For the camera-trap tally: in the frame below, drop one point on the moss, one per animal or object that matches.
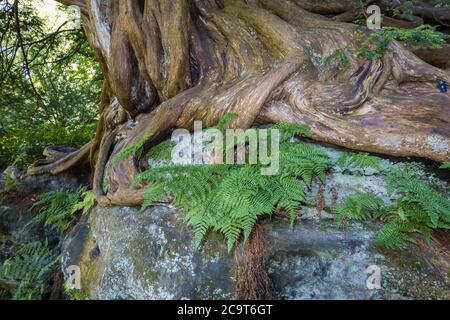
(76, 294)
(212, 245)
(139, 265)
(90, 275)
(89, 267)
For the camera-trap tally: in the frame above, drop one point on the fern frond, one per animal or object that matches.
(152, 194)
(225, 120)
(358, 206)
(230, 199)
(136, 149)
(290, 130)
(162, 151)
(358, 161)
(86, 204)
(28, 272)
(419, 210)
(57, 208)
(393, 235)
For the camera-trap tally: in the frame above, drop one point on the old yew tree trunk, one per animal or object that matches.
(170, 63)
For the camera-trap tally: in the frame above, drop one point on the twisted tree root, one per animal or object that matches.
(252, 280)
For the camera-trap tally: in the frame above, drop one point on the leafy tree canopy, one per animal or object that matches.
(49, 81)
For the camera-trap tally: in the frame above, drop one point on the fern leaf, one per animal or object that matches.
(445, 165)
(136, 149)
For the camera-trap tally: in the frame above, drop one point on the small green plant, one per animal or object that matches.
(415, 191)
(26, 275)
(229, 199)
(358, 206)
(339, 57)
(7, 184)
(404, 10)
(57, 208)
(225, 120)
(445, 165)
(20, 148)
(378, 42)
(86, 203)
(136, 149)
(162, 151)
(418, 209)
(289, 130)
(348, 160)
(75, 295)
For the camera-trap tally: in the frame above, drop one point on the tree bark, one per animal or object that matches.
(170, 63)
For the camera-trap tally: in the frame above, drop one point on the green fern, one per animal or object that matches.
(358, 206)
(349, 160)
(290, 130)
(394, 234)
(418, 210)
(445, 165)
(230, 199)
(26, 275)
(57, 208)
(377, 44)
(136, 149)
(75, 295)
(339, 57)
(415, 191)
(86, 203)
(226, 120)
(162, 151)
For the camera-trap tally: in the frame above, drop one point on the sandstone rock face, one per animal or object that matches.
(126, 254)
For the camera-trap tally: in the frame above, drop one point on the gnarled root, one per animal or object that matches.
(58, 162)
(252, 281)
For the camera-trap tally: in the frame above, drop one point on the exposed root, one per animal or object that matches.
(57, 287)
(64, 163)
(105, 148)
(334, 199)
(320, 199)
(252, 281)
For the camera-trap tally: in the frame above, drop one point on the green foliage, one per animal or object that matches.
(403, 219)
(75, 295)
(404, 10)
(445, 165)
(339, 57)
(86, 203)
(21, 147)
(50, 84)
(378, 42)
(348, 160)
(162, 151)
(416, 192)
(8, 184)
(418, 209)
(289, 130)
(57, 208)
(358, 206)
(229, 199)
(135, 149)
(225, 120)
(27, 274)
